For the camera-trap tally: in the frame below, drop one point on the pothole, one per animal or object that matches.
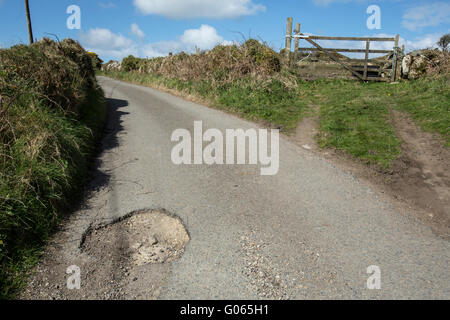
(140, 238)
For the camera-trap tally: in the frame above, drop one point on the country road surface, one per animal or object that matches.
(309, 232)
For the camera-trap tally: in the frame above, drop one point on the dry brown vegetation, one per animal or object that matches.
(61, 72)
(438, 62)
(224, 64)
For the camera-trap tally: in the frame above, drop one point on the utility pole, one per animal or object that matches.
(30, 29)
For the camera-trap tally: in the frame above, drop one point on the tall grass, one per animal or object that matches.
(51, 114)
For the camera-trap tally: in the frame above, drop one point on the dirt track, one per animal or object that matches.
(418, 181)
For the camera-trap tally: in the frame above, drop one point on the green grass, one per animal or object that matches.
(354, 117)
(51, 115)
(42, 173)
(270, 101)
(427, 101)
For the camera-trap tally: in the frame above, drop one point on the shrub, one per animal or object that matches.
(223, 64)
(263, 55)
(130, 63)
(60, 73)
(96, 61)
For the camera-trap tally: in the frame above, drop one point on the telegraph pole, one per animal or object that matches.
(30, 29)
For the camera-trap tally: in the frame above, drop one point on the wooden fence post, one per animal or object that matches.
(296, 41)
(395, 62)
(288, 38)
(366, 62)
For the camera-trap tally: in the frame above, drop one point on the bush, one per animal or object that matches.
(263, 55)
(60, 73)
(96, 61)
(223, 64)
(130, 63)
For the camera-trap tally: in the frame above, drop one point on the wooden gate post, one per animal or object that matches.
(296, 41)
(288, 38)
(366, 59)
(395, 62)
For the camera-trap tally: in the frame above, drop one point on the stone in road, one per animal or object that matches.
(311, 231)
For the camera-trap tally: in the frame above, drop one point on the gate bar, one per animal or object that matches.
(334, 59)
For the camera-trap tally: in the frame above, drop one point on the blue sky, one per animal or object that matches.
(147, 28)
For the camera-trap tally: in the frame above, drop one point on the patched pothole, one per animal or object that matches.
(140, 238)
(163, 242)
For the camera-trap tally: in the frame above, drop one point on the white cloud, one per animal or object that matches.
(137, 32)
(106, 43)
(186, 9)
(427, 41)
(109, 44)
(205, 38)
(428, 15)
(324, 3)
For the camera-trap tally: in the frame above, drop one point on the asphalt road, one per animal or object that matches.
(309, 232)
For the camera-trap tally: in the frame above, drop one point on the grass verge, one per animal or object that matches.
(51, 116)
(428, 103)
(270, 101)
(355, 117)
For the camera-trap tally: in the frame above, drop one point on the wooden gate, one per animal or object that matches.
(361, 72)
